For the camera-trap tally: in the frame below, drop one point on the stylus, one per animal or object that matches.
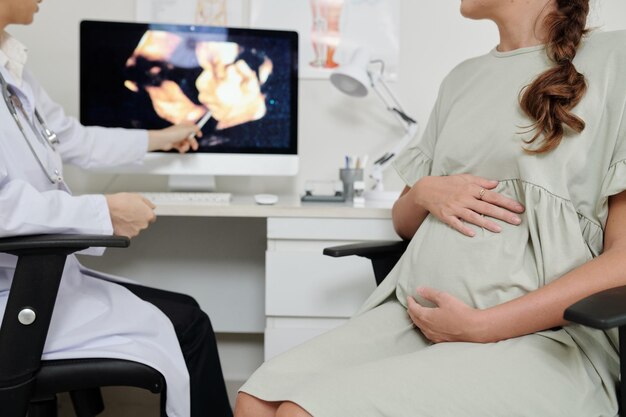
(200, 124)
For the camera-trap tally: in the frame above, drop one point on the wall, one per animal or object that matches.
(331, 124)
(434, 37)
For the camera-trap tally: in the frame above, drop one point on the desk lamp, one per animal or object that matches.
(355, 79)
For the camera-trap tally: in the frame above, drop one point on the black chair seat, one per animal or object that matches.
(58, 376)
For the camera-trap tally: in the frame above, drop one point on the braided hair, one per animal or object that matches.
(550, 98)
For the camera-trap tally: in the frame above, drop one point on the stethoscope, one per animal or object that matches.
(45, 134)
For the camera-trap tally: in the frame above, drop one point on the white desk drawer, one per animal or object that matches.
(330, 229)
(302, 284)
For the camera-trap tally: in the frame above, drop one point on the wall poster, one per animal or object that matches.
(200, 12)
(331, 30)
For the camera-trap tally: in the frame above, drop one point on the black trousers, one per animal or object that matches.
(197, 341)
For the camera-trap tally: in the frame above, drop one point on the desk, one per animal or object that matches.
(258, 269)
(287, 206)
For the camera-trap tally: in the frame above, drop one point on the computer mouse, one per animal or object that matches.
(265, 199)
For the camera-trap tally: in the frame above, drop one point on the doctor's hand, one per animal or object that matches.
(455, 199)
(450, 321)
(181, 137)
(130, 213)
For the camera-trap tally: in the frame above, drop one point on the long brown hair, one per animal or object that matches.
(549, 99)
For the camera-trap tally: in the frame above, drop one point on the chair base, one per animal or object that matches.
(46, 407)
(87, 402)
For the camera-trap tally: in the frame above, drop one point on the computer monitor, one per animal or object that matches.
(243, 81)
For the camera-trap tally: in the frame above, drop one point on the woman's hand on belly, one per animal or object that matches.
(455, 199)
(451, 320)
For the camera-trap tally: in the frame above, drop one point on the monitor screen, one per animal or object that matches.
(242, 82)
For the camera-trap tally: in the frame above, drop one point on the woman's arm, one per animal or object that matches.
(454, 199)
(406, 215)
(539, 310)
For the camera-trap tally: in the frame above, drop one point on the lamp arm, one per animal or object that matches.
(382, 163)
(410, 126)
(390, 101)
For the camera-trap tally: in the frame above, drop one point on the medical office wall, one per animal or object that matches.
(433, 37)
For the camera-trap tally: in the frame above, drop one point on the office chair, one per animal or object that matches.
(604, 310)
(28, 384)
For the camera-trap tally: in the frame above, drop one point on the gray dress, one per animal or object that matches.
(379, 364)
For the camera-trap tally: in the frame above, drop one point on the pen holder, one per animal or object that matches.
(348, 176)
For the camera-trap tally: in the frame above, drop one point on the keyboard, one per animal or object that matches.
(200, 198)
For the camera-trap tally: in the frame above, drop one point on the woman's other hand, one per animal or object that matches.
(450, 321)
(181, 137)
(456, 199)
(130, 213)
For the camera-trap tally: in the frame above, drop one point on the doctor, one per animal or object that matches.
(96, 315)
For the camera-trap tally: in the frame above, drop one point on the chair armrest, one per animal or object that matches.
(383, 254)
(29, 307)
(368, 249)
(603, 310)
(59, 243)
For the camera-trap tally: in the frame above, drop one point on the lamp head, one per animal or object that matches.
(353, 78)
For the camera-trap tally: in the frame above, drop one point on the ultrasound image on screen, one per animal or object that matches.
(153, 76)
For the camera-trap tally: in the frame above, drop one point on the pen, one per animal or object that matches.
(385, 158)
(200, 123)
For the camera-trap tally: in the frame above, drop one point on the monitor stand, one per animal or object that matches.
(191, 183)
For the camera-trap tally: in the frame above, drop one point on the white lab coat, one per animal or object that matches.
(93, 317)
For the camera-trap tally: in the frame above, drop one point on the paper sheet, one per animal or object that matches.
(330, 30)
(200, 12)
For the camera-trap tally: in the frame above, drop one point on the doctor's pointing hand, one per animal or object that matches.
(131, 213)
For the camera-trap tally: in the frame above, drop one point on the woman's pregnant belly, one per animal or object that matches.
(484, 270)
